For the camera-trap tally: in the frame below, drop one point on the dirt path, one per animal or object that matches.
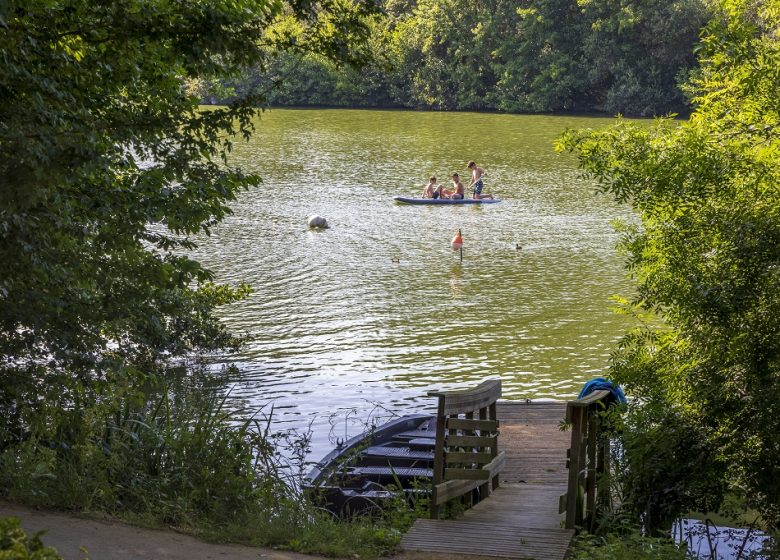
(79, 539)
(111, 540)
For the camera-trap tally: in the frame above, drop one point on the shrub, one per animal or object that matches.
(631, 546)
(15, 544)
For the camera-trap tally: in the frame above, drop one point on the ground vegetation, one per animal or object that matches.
(108, 172)
(704, 366)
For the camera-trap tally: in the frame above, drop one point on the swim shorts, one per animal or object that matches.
(478, 187)
(457, 196)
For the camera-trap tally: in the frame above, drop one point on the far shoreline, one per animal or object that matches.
(573, 114)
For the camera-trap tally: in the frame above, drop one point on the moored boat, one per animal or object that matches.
(376, 465)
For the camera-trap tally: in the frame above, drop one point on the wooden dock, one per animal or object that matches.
(520, 519)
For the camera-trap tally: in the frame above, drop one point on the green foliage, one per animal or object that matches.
(538, 56)
(15, 544)
(108, 168)
(665, 468)
(707, 257)
(177, 456)
(630, 546)
(157, 460)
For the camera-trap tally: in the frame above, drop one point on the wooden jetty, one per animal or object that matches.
(521, 517)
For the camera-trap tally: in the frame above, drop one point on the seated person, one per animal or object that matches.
(457, 193)
(432, 190)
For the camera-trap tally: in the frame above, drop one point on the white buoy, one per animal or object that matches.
(319, 222)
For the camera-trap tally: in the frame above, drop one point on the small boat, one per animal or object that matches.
(374, 466)
(444, 201)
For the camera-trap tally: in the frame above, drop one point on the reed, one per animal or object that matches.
(184, 458)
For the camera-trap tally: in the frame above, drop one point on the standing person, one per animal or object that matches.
(457, 193)
(476, 184)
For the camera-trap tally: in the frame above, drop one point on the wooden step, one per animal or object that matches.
(486, 539)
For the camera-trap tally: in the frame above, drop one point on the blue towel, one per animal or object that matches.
(600, 383)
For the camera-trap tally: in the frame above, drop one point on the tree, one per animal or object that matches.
(640, 51)
(108, 167)
(707, 255)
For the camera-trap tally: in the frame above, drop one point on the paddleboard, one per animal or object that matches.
(444, 201)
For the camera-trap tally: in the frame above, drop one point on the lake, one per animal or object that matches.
(362, 319)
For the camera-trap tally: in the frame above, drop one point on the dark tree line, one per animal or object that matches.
(531, 56)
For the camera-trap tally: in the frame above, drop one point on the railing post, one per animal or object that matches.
(575, 417)
(438, 457)
(493, 415)
(602, 471)
(590, 473)
(587, 460)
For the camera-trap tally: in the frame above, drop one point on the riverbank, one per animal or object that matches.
(80, 538)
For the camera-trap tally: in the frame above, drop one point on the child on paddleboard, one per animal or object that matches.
(456, 194)
(476, 184)
(432, 190)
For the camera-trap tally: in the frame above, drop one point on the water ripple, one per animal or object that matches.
(378, 308)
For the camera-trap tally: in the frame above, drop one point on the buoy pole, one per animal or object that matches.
(457, 243)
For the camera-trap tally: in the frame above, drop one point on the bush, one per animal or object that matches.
(16, 545)
(179, 457)
(665, 467)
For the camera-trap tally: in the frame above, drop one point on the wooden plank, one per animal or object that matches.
(487, 539)
(590, 476)
(471, 399)
(497, 464)
(466, 474)
(593, 397)
(575, 416)
(517, 520)
(453, 457)
(468, 424)
(446, 491)
(438, 459)
(471, 441)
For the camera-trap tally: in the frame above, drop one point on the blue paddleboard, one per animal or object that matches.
(444, 201)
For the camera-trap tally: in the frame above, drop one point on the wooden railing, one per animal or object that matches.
(466, 455)
(588, 460)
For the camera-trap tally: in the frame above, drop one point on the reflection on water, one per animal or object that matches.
(379, 308)
(712, 542)
(456, 286)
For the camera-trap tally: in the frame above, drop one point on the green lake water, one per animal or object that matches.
(363, 318)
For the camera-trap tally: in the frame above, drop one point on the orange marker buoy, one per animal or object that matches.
(457, 241)
(457, 244)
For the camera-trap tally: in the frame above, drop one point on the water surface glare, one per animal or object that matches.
(378, 309)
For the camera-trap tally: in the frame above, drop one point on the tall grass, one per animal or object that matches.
(183, 458)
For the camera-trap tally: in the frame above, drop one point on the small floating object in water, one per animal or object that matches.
(395, 259)
(457, 241)
(318, 222)
(518, 247)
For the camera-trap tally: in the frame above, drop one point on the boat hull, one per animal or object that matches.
(376, 466)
